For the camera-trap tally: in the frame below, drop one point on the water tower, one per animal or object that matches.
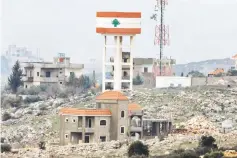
(118, 30)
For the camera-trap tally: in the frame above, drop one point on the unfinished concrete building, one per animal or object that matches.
(113, 118)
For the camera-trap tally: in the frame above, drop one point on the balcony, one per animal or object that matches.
(48, 79)
(125, 77)
(89, 130)
(28, 79)
(135, 129)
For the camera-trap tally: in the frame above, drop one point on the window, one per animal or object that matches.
(122, 130)
(38, 73)
(103, 122)
(73, 120)
(145, 69)
(122, 113)
(47, 74)
(26, 86)
(103, 138)
(66, 119)
(30, 73)
(60, 72)
(72, 73)
(60, 68)
(61, 83)
(66, 136)
(98, 105)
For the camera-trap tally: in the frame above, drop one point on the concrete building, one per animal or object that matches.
(235, 58)
(117, 72)
(56, 72)
(152, 65)
(217, 71)
(113, 118)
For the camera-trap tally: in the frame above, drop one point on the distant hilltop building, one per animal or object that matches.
(56, 72)
(235, 58)
(152, 65)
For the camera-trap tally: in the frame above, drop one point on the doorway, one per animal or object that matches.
(87, 139)
(89, 123)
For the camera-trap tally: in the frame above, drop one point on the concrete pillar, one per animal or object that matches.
(83, 128)
(117, 65)
(131, 61)
(103, 64)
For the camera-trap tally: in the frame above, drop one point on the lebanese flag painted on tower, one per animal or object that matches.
(126, 23)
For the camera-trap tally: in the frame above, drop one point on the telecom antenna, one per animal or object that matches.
(161, 30)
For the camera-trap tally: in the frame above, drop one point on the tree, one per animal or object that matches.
(137, 80)
(15, 79)
(232, 73)
(138, 148)
(72, 79)
(195, 74)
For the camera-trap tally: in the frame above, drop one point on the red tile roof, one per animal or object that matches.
(111, 95)
(134, 106)
(217, 71)
(85, 112)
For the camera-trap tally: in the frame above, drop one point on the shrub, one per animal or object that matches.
(6, 116)
(9, 101)
(215, 154)
(202, 150)
(189, 154)
(42, 107)
(5, 147)
(138, 148)
(34, 90)
(32, 99)
(43, 88)
(63, 94)
(22, 91)
(42, 145)
(207, 141)
(137, 80)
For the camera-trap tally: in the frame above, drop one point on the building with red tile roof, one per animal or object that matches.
(114, 118)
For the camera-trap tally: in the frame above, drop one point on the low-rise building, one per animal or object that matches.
(56, 72)
(113, 118)
(217, 71)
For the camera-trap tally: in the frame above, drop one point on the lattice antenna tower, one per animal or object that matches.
(161, 31)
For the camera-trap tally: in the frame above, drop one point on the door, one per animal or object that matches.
(87, 139)
(89, 123)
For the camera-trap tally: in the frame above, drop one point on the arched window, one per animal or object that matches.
(103, 122)
(122, 113)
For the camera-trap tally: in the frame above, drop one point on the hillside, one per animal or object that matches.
(200, 110)
(204, 66)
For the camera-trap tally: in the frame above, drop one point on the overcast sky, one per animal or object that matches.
(199, 29)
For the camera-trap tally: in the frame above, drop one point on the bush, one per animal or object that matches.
(137, 80)
(189, 154)
(22, 91)
(5, 147)
(63, 94)
(207, 141)
(9, 101)
(34, 90)
(138, 148)
(43, 88)
(2, 140)
(202, 150)
(216, 154)
(42, 145)
(32, 99)
(6, 116)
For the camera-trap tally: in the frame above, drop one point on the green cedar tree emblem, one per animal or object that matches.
(115, 22)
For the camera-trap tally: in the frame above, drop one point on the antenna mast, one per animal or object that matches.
(161, 31)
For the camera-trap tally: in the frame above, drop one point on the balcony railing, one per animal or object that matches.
(135, 129)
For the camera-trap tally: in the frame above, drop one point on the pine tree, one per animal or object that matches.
(15, 79)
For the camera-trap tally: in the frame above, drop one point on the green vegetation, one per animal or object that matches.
(196, 74)
(137, 80)
(137, 148)
(215, 154)
(15, 79)
(5, 147)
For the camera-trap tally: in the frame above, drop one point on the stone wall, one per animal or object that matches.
(149, 81)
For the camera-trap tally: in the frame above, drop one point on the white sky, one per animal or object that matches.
(199, 29)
